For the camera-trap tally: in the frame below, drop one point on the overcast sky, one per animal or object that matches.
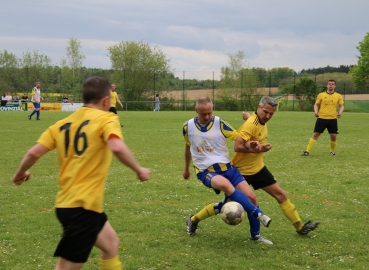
(196, 35)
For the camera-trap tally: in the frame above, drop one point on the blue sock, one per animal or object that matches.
(38, 114)
(254, 225)
(34, 111)
(241, 198)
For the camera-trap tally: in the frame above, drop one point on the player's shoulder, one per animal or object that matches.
(225, 125)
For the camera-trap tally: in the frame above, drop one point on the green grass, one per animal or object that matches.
(150, 217)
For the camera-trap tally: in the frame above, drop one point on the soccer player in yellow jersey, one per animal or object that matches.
(84, 142)
(206, 145)
(250, 146)
(325, 109)
(113, 100)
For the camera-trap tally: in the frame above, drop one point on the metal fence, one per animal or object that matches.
(177, 89)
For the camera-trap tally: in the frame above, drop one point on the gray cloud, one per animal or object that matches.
(196, 35)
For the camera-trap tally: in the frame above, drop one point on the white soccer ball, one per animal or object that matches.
(232, 213)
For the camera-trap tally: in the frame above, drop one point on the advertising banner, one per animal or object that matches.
(70, 107)
(14, 106)
(46, 106)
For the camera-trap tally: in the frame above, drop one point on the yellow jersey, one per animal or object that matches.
(83, 156)
(113, 98)
(328, 104)
(251, 130)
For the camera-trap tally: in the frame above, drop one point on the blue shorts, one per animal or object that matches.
(37, 105)
(232, 174)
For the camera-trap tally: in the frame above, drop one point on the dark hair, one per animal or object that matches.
(94, 89)
(331, 80)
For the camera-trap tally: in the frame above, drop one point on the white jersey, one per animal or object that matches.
(36, 94)
(207, 147)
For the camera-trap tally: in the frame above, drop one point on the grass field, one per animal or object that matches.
(150, 217)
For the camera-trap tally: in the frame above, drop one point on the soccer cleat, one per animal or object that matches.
(264, 219)
(305, 153)
(308, 226)
(191, 227)
(38, 119)
(333, 153)
(262, 240)
(29, 117)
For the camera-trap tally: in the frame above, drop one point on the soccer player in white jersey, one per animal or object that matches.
(206, 144)
(36, 99)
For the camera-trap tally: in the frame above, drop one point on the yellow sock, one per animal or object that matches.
(333, 146)
(310, 145)
(289, 210)
(204, 213)
(111, 264)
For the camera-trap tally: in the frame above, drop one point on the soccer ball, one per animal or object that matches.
(232, 213)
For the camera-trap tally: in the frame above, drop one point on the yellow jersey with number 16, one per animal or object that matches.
(83, 156)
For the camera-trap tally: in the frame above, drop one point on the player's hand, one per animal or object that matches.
(253, 145)
(339, 115)
(265, 147)
(19, 179)
(316, 114)
(245, 115)
(144, 174)
(186, 174)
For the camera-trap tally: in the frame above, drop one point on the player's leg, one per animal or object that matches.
(221, 183)
(108, 242)
(319, 127)
(244, 187)
(208, 211)
(289, 209)
(34, 110)
(64, 264)
(333, 131)
(38, 113)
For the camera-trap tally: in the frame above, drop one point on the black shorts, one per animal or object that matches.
(80, 230)
(113, 110)
(261, 179)
(330, 124)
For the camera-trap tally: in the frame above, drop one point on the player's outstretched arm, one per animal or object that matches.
(124, 154)
(22, 175)
(186, 172)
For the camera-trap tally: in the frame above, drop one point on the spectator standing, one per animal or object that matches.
(4, 100)
(157, 103)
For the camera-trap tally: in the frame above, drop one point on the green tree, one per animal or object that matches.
(74, 56)
(34, 66)
(71, 67)
(305, 93)
(9, 72)
(136, 65)
(360, 72)
(238, 82)
(278, 74)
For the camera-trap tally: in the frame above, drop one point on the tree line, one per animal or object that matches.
(140, 70)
